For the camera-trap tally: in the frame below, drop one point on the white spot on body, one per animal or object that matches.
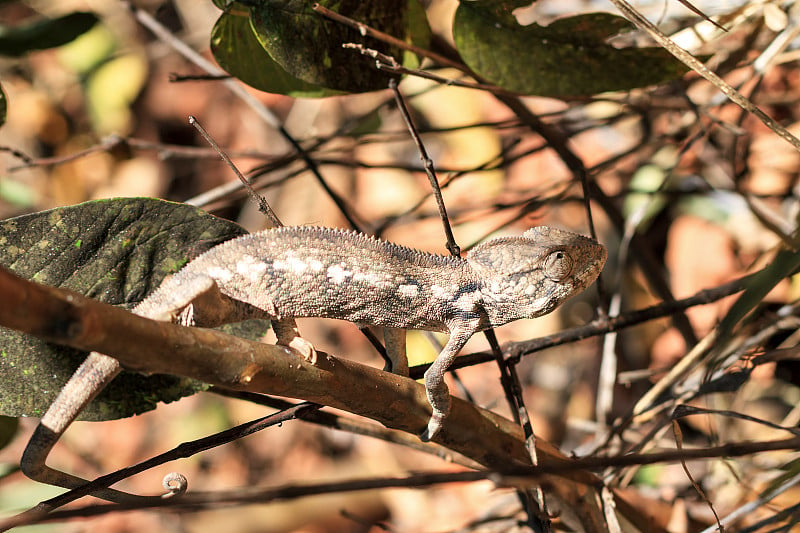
(443, 293)
(539, 303)
(293, 264)
(409, 291)
(530, 290)
(220, 274)
(296, 265)
(371, 278)
(251, 268)
(468, 301)
(337, 274)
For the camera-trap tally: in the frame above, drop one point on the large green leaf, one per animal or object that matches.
(116, 251)
(570, 57)
(44, 33)
(299, 51)
(238, 51)
(309, 46)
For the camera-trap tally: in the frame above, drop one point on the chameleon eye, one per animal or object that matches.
(558, 265)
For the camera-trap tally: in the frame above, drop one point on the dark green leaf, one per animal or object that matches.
(8, 430)
(309, 46)
(45, 33)
(237, 50)
(287, 48)
(418, 32)
(786, 263)
(570, 57)
(116, 251)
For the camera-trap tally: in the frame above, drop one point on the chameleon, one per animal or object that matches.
(292, 272)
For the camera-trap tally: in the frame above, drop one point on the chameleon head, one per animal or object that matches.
(530, 275)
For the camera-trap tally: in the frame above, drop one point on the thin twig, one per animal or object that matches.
(263, 205)
(389, 64)
(514, 476)
(512, 388)
(181, 451)
(651, 267)
(427, 164)
(19, 154)
(105, 145)
(508, 376)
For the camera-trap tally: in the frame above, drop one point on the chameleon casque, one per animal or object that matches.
(292, 272)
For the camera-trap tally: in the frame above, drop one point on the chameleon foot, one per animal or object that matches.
(438, 395)
(288, 335)
(305, 349)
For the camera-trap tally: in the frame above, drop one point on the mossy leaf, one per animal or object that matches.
(116, 251)
(570, 57)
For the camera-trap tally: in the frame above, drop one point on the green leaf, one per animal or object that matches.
(91, 50)
(237, 50)
(570, 57)
(18, 193)
(285, 47)
(8, 430)
(309, 46)
(116, 251)
(44, 33)
(418, 33)
(786, 263)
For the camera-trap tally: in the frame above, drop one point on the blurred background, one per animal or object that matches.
(708, 191)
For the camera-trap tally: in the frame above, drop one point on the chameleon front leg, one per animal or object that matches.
(435, 387)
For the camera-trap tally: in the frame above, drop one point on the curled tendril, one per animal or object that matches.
(175, 483)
